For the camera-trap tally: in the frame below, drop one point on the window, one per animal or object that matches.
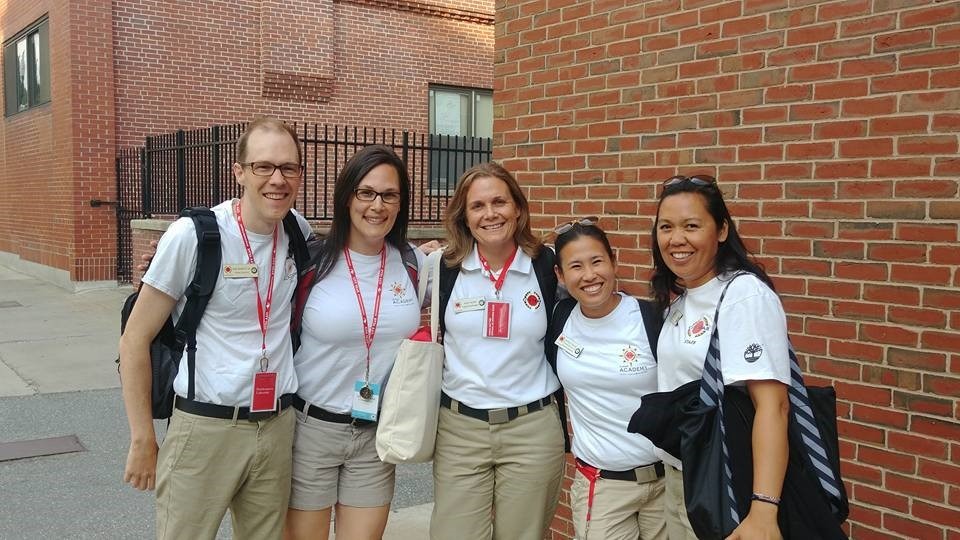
(26, 68)
(461, 124)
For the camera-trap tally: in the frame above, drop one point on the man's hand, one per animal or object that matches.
(141, 469)
(429, 247)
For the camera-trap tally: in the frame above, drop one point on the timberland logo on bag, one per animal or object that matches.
(753, 353)
(400, 294)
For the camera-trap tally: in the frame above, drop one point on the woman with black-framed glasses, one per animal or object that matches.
(697, 251)
(359, 305)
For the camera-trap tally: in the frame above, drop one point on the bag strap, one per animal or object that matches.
(561, 312)
(409, 258)
(432, 269)
(652, 323)
(711, 393)
(201, 287)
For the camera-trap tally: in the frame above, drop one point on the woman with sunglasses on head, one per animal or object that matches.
(500, 447)
(362, 302)
(698, 251)
(606, 365)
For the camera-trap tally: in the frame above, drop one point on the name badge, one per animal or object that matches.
(366, 400)
(240, 270)
(497, 322)
(569, 345)
(264, 398)
(469, 304)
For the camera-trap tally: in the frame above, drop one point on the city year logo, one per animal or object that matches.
(532, 300)
(699, 327)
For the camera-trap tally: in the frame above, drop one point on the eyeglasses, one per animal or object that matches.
(265, 168)
(589, 221)
(697, 179)
(369, 195)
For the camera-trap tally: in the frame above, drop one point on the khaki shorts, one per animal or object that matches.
(337, 463)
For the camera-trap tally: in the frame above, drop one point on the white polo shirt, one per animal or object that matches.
(753, 335)
(229, 337)
(489, 373)
(605, 383)
(332, 354)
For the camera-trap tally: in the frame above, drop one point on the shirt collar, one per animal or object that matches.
(521, 263)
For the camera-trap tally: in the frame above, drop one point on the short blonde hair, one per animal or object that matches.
(459, 238)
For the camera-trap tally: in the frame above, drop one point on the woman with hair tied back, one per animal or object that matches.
(500, 447)
(605, 361)
(361, 304)
(697, 252)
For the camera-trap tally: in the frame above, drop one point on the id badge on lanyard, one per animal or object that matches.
(263, 397)
(496, 319)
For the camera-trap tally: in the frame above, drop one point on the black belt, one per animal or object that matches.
(321, 414)
(640, 475)
(226, 412)
(494, 416)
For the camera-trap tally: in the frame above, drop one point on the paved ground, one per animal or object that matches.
(57, 377)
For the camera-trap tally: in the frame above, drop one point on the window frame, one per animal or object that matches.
(35, 40)
(438, 183)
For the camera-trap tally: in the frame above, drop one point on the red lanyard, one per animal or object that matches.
(497, 282)
(371, 330)
(263, 310)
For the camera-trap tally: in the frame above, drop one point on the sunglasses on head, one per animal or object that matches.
(697, 179)
(588, 221)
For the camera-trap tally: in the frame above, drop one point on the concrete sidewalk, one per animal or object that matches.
(55, 341)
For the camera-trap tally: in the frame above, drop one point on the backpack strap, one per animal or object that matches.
(409, 258)
(652, 322)
(298, 244)
(448, 276)
(559, 318)
(201, 287)
(300, 248)
(547, 279)
(561, 312)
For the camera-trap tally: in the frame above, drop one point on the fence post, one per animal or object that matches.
(145, 187)
(215, 162)
(181, 171)
(406, 140)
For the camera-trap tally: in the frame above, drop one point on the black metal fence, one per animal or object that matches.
(193, 168)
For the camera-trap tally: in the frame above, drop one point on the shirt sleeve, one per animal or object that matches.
(172, 267)
(753, 334)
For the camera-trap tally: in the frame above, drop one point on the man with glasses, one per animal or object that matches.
(228, 444)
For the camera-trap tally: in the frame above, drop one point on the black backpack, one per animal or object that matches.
(167, 347)
(652, 322)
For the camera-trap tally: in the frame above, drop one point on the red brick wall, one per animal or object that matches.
(126, 69)
(361, 62)
(833, 129)
(59, 155)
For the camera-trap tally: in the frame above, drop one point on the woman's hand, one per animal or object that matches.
(760, 524)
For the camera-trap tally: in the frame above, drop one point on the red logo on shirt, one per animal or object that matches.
(699, 327)
(532, 300)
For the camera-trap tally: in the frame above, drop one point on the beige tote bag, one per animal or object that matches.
(407, 429)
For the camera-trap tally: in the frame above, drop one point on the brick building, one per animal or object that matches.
(109, 73)
(833, 128)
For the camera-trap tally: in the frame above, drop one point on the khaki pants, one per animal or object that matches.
(207, 465)
(621, 509)
(499, 481)
(678, 526)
